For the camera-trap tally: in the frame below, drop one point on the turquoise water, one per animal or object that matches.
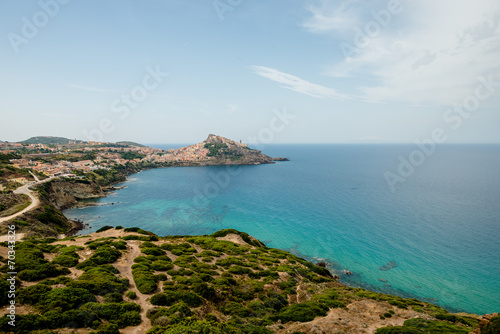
(332, 202)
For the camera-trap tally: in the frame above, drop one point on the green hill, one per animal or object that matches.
(47, 140)
(130, 143)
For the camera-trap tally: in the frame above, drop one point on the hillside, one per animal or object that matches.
(226, 151)
(130, 143)
(132, 281)
(47, 140)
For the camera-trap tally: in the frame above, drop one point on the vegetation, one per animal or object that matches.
(222, 150)
(208, 286)
(131, 155)
(421, 326)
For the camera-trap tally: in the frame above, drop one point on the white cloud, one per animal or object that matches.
(430, 52)
(297, 84)
(326, 18)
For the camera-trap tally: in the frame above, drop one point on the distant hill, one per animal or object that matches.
(131, 143)
(46, 140)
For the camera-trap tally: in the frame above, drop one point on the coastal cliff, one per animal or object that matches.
(65, 193)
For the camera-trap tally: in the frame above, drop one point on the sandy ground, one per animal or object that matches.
(124, 265)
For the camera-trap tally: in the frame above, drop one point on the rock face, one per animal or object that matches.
(63, 194)
(488, 324)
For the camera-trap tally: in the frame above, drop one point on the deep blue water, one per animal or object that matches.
(441, 226)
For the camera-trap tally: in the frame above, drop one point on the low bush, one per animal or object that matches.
(66, 260)
(161, 265)
(421, 326)
(330, 298)
(103, 255)
(131, 295)
(302, 312)
(104, 228)
(121, 314)
(100, 280)
(144, 279)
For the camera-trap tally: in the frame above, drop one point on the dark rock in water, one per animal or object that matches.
(321, 264)
(388, 266)
(346, 272)
(280, 159)
(382, 280)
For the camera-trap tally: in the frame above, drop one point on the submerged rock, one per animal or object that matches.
(388, 266)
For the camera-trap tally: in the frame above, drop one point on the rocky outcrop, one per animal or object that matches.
(223, 151)
(63, 194)
(488, 324)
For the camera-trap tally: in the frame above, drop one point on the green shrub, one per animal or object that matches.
(161, 265)
(330, 298)
(33, 294)
(100, 280)
(302, 312)
(236, 309)
(421, 326)
(240, 270)
(66, 260)
(107, 329)
(104, 228)
(167, 298)
(161, 277)
(66, 298)
(121, 314)
(204, 290)
(43, 271)
(113, 297)
(103, 255)
(144, 279)
(131, 295)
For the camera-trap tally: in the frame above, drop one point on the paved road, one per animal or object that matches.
(33, 196)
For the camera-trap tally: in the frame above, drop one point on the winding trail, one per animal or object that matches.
(32, 195)
(124, 266)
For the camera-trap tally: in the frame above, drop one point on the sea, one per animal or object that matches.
(433, 235)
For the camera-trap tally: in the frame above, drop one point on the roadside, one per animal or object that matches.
(34, 202)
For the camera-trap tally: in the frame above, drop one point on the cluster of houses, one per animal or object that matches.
(105, 157)
(188, 153)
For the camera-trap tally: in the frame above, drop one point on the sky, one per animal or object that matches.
(260, 71)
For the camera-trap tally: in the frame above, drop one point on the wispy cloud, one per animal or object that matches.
(92, 89)
(297, 84)
(430, 52)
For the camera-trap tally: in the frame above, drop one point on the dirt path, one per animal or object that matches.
(124, 266)
(34, 203)
(32, 195)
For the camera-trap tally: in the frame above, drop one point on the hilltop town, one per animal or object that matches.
(75, 158)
